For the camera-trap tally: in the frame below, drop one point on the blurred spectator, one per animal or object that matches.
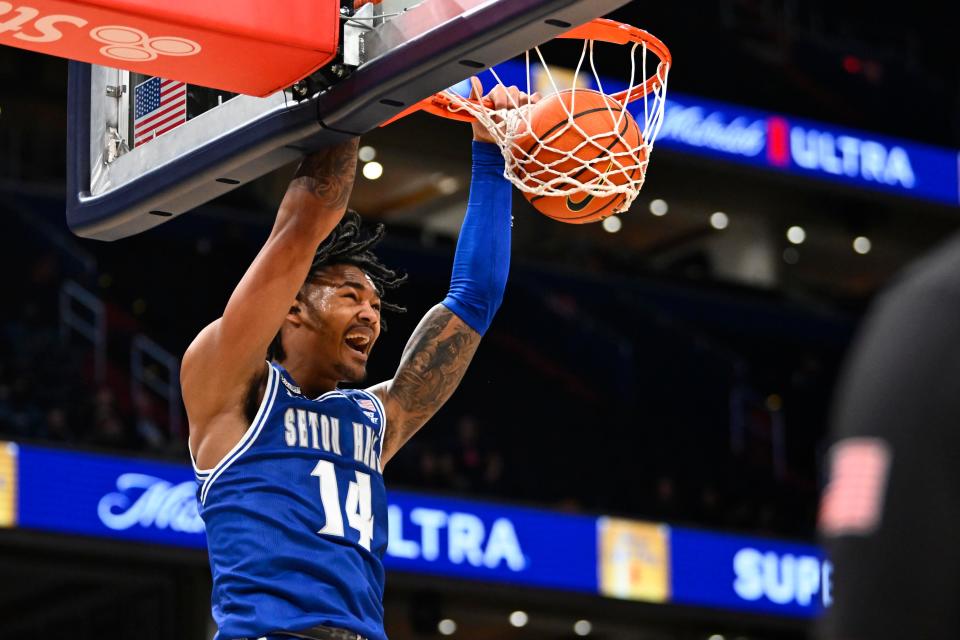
(429, 472)
(58, 426)
(147, 422)
(665, 499)
(108, 429)
(475, 466)
(711, 508)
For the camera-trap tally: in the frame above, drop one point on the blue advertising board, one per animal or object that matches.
(810, 149)
(786, 143)
(486, 541)
(146, 501)
(108, 496)
(743, 573)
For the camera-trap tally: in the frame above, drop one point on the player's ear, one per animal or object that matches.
(293, 315)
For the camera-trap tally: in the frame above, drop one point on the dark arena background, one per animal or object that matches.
(637, 451)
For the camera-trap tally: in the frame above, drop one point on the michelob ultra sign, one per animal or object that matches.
(813, 149)
(152, 502)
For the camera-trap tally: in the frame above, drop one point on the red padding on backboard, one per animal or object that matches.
(244, 46)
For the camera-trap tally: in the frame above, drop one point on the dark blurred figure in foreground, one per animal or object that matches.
(891, 507)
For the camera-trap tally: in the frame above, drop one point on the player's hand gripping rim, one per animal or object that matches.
(501, 98)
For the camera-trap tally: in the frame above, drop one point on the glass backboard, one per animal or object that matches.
(133, 165)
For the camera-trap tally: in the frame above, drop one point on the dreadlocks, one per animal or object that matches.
(349, 244)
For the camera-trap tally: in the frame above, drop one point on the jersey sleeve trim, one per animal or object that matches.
(198, 473)
(273, 382)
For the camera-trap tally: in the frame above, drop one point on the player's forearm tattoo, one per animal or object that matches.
(329, 173)
(433, 364)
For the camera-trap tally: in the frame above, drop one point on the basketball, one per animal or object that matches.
(615, 156)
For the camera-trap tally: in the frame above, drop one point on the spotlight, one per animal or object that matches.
(612, 224)
(447, 627)
(519, 618)
(719, 220)
(448, 185)
(659, 207)
(862, 245)
(372, 170)
(366, 154)
(582, 627)
(796, 234)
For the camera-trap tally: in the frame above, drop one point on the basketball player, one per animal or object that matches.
(891, 508)
(289, 465)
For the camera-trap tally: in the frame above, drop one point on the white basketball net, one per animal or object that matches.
(533, 176)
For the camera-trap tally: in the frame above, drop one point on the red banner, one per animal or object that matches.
(243, 46)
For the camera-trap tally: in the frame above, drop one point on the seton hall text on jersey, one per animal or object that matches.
(311, 430)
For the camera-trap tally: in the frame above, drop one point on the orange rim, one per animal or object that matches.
(599, 30)
(613, 32)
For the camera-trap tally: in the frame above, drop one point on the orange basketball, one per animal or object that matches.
(539, 157)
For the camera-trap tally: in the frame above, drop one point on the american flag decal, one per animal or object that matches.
(159, 106)
(366, 404)
(853, 499)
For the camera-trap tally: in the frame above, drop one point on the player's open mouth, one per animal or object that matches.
(357, 341)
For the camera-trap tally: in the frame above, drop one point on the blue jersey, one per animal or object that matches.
(296, 516)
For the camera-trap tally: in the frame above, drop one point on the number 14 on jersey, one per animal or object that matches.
(356, 507)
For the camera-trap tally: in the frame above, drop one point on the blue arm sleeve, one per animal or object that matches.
(482, 260)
